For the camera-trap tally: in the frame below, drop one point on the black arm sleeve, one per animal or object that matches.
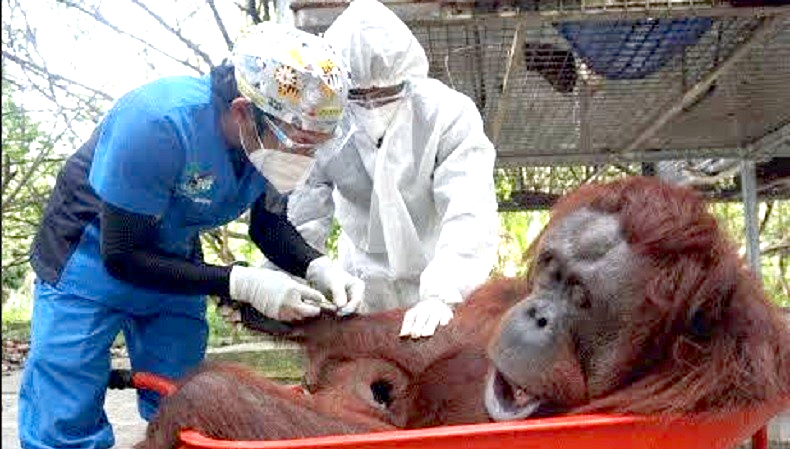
(279, 240)
(129, 255)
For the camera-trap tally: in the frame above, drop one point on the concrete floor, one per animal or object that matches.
(121, 407)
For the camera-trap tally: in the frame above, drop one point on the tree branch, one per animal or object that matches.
(781, 248)
(252, 11)
(782, 280)
(238, 235)
(97, 16)
(41, 71)
(220, 24)
(8, 174)
(191, 45)
(220, 246)
(15, 262)
(768, 208)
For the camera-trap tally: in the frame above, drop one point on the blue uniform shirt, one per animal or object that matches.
(160, 152)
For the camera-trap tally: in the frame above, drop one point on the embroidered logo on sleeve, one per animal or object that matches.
(198, 184)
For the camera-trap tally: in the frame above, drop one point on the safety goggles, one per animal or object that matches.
(290, 137)
(303, 142)
(374, 97)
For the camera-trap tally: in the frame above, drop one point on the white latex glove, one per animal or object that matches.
(274, 293)
(424, 317)
(347, 291)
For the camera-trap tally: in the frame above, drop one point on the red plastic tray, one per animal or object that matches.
(721, 431)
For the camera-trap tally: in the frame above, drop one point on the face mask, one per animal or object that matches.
(283, 170)
(375, 121)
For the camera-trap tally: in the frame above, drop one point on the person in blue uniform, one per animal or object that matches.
(118, 247)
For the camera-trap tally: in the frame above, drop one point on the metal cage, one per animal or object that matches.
(594, 81)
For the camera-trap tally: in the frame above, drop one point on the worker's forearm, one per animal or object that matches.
(279, 240)
(129, 256)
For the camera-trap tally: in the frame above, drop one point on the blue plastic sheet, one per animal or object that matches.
(632, 49)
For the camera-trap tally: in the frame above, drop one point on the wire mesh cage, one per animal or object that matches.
(590, 81)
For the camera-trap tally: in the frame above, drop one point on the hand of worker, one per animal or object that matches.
(347, 291)
(432, 311)
(274, 293)
(424, 317)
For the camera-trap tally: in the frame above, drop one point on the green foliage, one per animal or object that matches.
(331, 240)
(222, 331)
(558, 180)
(517, 231)
(28, 173)
(774, 242)
(16, 322)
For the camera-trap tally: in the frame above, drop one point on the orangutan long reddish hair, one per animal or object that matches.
(635, 302)
(704, 335)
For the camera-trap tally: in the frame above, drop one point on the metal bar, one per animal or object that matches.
(514, 61)
(576, 158)
(768, 27)
(585, 131)
(760, 439)
(749, 189)
(775, 142)
(441, 14)
(285, 14)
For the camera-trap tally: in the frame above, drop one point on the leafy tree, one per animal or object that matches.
(774, 242)
(29, 167)
(519, 228)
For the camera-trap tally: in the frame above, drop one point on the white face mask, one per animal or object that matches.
(283, 170)
(375, 121)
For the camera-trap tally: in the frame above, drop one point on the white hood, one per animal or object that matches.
(378, 47)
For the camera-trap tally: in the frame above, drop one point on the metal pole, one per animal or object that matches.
(284, 13)
(760, 439)
(749, 191)
(585, 130)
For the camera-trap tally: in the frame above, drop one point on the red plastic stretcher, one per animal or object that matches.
(722, 431)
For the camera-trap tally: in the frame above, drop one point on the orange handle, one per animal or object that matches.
(760, 439)
(153, 382)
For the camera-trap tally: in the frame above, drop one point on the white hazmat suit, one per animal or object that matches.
(418, 212)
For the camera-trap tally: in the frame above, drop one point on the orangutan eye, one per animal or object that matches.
(544, 259)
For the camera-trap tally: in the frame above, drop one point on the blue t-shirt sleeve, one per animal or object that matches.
(137, 162)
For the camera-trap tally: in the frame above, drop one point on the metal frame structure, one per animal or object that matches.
(718, 97)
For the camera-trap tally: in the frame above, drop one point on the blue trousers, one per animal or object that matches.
(61, 398)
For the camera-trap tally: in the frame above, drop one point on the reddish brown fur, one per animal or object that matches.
(704, 339)
(346, 356)
(437, 390)
(743, 354)
(330, 340)
(228, 401)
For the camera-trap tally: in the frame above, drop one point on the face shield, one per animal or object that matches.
(288, 165)
(295, 140)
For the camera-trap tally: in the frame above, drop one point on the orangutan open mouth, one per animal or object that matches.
(506, 401)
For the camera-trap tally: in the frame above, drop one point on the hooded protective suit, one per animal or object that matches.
(418, 211)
